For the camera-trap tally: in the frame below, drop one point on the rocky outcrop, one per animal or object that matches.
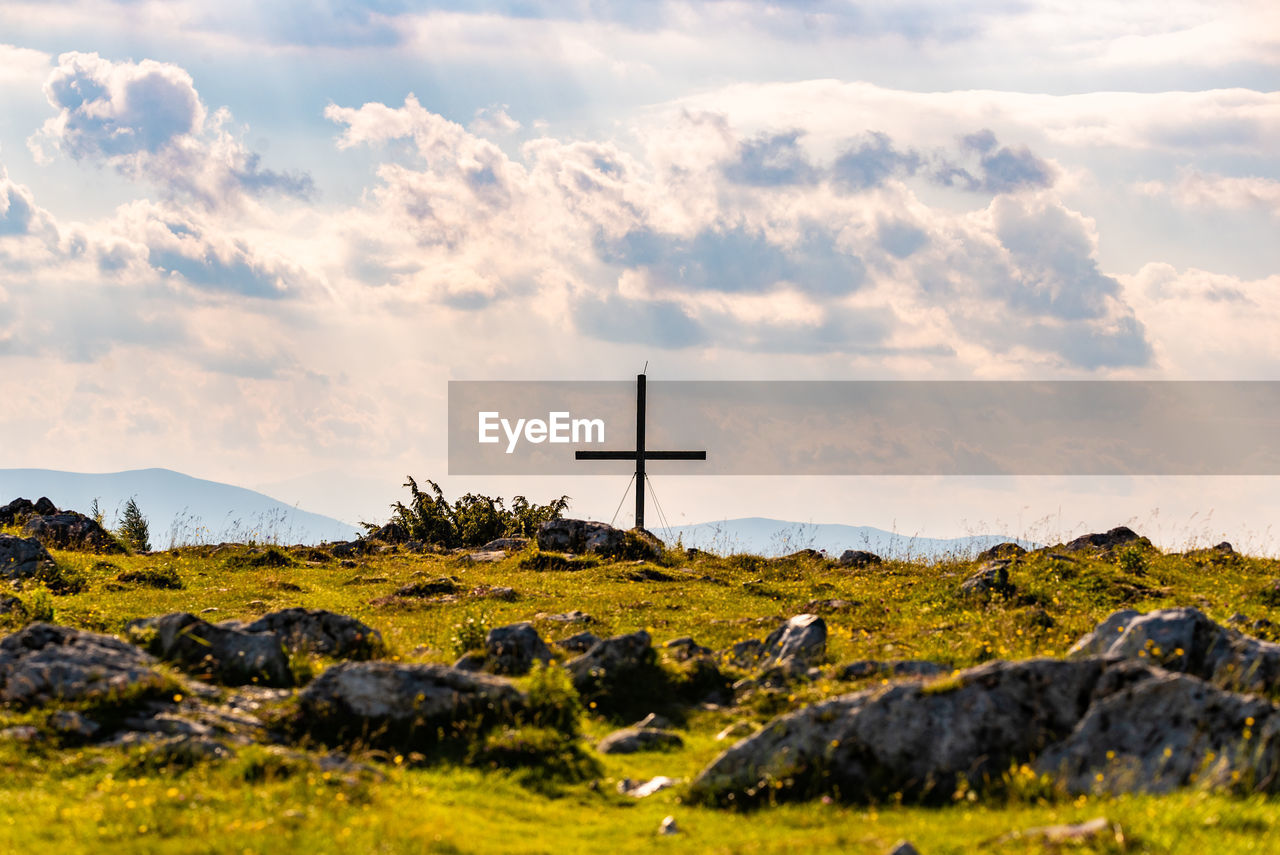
(991, 579)
(584, 537)
(858, 558)
(800, 642)
(1008, 549)
(225, 654)
(317, 631)
(71, 530)
(17, 511)
(1099, 543)
(408, 707)
(44, 663)
(1185, 640)
(617, 673)
(22, 558)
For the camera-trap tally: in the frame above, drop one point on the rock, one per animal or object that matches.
(226, 654)
(490, 557)
(22, 557)
(513, 649)
(392, 532)
(1149, 730)
(428, 588)
(12, 610)
(1111, 540)
(1008, 549)
(991, 579)
(580, 643)
(1185, 640)
(746, 653)
(574, 616)
(506, 544)
(25, 733)
(654, 722)
(858, 558)
(1097, 830)
(44, 663)
(16, 511)
(685, 648)
(918, 668)
(318, 631)
(802, 640)
(186, 750)
(909, 737)
(499, 592)
(668, 826)
(584, 537)
(829, 605)
(630, 740)
(621, 666)
(473, 661)
(45, 507)
(71, 530)
(904, 847)
(643, 789)
(70, 723)
(408, 707)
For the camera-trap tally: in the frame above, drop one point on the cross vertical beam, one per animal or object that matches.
(641, 453)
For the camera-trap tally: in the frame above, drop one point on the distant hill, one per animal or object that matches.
(778, 537)
(179, 508)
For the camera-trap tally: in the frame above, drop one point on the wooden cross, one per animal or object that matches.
(641, 454)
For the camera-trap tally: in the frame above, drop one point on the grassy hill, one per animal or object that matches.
(55, 796)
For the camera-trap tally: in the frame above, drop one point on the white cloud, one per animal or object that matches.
(1196, 189)
(19, 65)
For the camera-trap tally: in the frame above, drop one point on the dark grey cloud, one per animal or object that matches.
(1000, 169)
(871, 162)
(738, 260)
(771, 161)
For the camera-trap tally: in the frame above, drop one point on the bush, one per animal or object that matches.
(60, 579)
(469, 635)
(472, 520)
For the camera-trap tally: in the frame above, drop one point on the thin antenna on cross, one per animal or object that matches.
(646, 367)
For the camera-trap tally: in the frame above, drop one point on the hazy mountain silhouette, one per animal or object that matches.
(179, 508)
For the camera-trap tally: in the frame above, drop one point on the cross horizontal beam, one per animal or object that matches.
(648, 455)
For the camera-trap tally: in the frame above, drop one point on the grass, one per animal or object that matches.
(95, 799)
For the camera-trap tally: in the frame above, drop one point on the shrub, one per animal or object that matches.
(469, 635)
(472, 520)
(60, 579)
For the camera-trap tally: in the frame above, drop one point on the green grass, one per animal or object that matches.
(103, 800)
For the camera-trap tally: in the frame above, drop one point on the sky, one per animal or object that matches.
(253, 242)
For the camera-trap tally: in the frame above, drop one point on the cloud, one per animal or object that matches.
(660, 323)
(147, 121)
(1196, 189)
(872, 162)
(22, 65)
(771, 161)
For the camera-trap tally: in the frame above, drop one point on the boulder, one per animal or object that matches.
(910, 738)
(318, 631)
(858, 558)
(1185, 640)
(898, 668)
(1150, 730)
(580, 643)
(801, 641)
(585, 537)
(71, 530)
(407, 707)
(1008, 549)
(614, 670)
(513, 649)
(18, 510)
(44, 663)
(991, 579)
(12, 609)
(1106, 541)
(505, 544)
(22, 557)
(226, 654)
(631, 740)
(392, 532)
(685, 648)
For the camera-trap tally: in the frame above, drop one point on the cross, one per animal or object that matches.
(641, 454)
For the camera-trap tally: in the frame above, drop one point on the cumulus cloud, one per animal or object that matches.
(871, 162)
(1196, 189)
(147, 121)
(22, 65)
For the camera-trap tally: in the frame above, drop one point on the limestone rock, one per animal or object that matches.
(226, 654)
(318, 631)
(406, 706)
(802, 640)
(858, 558)
(1008, 549)
(614, 667)
(44, 663)
(22, 557)
(630, 740)
(513, 649)
(1106, 541)
(580, 537)
(71, 530)
(991, 579)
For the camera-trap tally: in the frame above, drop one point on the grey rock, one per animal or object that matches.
(226, 654)
(644, 789)
(513, 649)
(904, 847)
(631, 740)
(580, 643)
(736, 730)
(1113, 539)
(1097, 830)
(802, 640)
(685, 648)
(857, 558)
(471, 662)
(610, 664)
(22, 557)
(581, 537)
(406, 706)
(482, 557)
(26, 733)
(668, 827)
(319, 631)
(1008, 549)
(1185, 640)
(574, 616)
(654, 721)
(1149, 730)
(428, 588)
(44, 663)
(506, 544)
(746, 653)
(992, 578)
(907, 737)
(14, 512)
(73, 724)
(894, 668)
(70, 530)
(12, 609)
(392, 532)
